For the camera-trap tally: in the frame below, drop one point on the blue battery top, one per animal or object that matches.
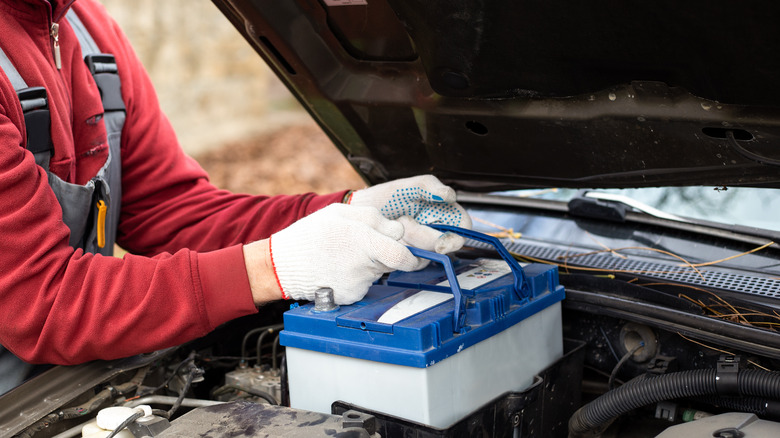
(418, 319)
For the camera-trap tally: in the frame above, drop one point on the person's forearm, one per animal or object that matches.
(260, 271)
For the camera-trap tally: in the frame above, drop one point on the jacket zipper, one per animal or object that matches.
(55, 35)
(54, 30)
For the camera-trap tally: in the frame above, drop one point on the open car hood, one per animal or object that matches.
(511, 94)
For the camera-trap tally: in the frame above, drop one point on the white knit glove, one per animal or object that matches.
(422, 200)
(343, 247)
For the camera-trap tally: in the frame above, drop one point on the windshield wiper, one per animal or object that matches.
(610, 206)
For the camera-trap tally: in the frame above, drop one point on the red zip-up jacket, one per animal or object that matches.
(186, 274)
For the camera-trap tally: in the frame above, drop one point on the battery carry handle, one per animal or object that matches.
(459, 319)
(521, 288)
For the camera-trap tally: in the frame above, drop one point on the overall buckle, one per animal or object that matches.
(35, 106)
(104, 71)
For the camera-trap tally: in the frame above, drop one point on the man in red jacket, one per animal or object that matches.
(199, 256)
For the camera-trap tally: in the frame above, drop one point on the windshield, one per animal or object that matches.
(746, 206)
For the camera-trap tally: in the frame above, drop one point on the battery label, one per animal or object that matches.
(413, 305)
(482, 272)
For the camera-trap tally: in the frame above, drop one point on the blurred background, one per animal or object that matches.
(228, 109)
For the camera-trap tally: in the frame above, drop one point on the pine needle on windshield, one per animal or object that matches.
(766, 245)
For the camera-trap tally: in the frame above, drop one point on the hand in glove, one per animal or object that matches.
(343, 247)
(414, 201)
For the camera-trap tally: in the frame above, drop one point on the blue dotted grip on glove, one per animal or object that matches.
(424, 206)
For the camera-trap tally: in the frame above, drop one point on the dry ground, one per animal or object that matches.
(292, 159)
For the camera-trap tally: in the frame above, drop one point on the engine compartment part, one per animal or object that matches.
(30, 408)
(729, 425)
(252, 420)
(642, 391)
(126, 422)
(255, 381)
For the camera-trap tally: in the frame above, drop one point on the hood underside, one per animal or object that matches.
(491, 94)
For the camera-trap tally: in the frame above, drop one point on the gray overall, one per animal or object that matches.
(81, 204)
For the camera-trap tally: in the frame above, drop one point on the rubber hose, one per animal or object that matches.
(260, 345)
(124, 424)
(596, 416)
(187, 384)
(252, 332)
(273, 352)
(285, 387)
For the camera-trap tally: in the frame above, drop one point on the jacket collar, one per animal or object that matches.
(55, 9)
(60, 8)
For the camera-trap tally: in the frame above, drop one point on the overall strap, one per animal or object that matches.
(35, 106)
(8, 67)
(101, 65)
(86, 42)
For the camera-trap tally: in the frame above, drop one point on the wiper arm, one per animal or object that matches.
(636, 205)
(608, 206)
(611, 206)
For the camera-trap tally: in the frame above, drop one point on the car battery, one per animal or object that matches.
(429, 346)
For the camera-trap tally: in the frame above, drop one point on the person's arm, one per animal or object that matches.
(260, 272)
